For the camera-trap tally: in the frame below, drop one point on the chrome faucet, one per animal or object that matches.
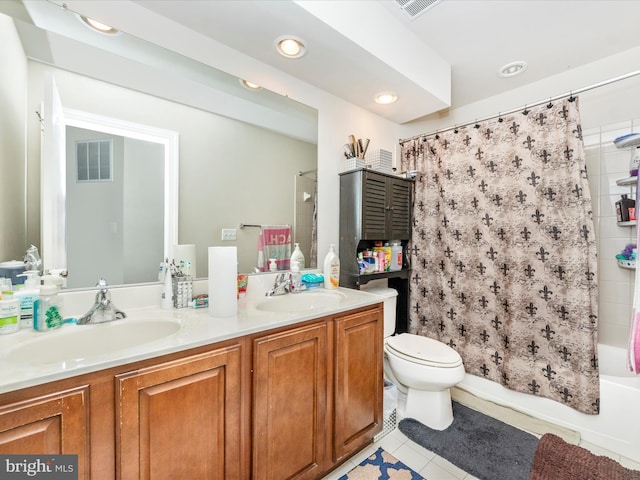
(103, 310)
(281, 285)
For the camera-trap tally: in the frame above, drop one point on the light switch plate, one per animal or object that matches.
(229, 234)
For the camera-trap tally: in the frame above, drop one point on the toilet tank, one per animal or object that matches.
(388, 297)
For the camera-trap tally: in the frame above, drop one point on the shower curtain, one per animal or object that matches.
(504, 254)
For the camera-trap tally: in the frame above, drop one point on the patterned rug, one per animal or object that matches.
(381, 466)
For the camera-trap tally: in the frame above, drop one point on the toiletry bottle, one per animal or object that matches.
(167, 289)
(296, 278)
(331, 269)
(396, 256)
(622, 208)
(635, 161)
(46, 310)
(9, 313)
(273, 267)
(27, 296)
(297, 256)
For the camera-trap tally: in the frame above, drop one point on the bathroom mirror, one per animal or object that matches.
(246, 157)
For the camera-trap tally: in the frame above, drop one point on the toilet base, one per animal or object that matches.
(432, 409)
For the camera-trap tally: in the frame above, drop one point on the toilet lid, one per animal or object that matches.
(424, 350)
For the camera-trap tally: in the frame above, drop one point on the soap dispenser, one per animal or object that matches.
(297, 256)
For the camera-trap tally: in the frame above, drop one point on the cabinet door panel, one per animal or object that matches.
(290, 404)
(52, 424)
(400, 210)
(358, 381)
(375, 205)
(181, 419)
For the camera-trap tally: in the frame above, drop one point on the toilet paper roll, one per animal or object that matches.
(223, 281)
(186, 253)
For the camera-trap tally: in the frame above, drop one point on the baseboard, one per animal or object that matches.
(513, 417)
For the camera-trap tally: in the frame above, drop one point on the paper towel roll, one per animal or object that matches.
(186, 253)
(223, 281)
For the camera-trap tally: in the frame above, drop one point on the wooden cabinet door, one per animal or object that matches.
(290, 404)
(386, 207)
(51, 424)
(358, 378)
(399, 213)
(375, 206)
(181, 419)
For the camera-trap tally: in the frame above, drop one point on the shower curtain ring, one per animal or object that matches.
(549, 105)
(455, 129)
(571, 97)
(525, 111)
(500, 119)
(476, 125)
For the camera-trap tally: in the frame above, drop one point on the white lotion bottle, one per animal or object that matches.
(331, 269)
(297, 256)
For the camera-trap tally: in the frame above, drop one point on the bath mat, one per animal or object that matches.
(556, 459)
(381, 466)
(478, 444)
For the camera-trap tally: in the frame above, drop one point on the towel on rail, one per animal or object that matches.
(276, 244)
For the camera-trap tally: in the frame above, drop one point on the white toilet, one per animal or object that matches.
(423, 368)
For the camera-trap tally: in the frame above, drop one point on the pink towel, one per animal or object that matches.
(277, 244)
(633, 360)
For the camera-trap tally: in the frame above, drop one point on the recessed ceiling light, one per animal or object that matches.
(386, 98)
(98, 26)
(512, 69)
(290, 46)
(249, 85)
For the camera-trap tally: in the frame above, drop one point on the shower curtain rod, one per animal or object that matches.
(551, 99)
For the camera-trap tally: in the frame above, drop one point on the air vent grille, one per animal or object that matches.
(413, 8)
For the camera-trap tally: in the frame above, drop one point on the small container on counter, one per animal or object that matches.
(46, 309)
(9, 313)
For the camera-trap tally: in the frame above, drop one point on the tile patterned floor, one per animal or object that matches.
(430, 465)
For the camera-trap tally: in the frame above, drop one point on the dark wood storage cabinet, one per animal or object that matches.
(375, 207)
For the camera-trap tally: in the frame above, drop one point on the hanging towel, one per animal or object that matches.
(277, 244)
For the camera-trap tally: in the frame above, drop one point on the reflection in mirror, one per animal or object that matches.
(241, 152)
(114, 208)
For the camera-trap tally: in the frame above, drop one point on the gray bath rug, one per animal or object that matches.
(480, 445)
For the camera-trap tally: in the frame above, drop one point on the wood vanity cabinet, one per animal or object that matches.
(358, 381)
(181, 419)
(55, 423)
(289, 403)
(317, 395)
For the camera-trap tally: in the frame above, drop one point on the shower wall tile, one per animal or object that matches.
(605, 165)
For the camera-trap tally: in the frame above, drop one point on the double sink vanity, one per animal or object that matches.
(288, 388)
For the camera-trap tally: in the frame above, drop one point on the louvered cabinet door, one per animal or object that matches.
(399, 210)
(375, 207)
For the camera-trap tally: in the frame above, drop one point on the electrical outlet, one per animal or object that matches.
(229, 234)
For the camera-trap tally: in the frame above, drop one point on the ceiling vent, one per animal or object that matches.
(414, 8)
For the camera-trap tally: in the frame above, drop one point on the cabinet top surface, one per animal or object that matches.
(370, 170)
(29, 358)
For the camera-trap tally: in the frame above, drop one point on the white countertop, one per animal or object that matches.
(195, 327)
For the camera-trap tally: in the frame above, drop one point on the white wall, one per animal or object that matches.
(13, 97)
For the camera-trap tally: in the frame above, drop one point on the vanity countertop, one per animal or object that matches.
(22, 353)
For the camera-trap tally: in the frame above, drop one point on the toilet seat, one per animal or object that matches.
(423, 351)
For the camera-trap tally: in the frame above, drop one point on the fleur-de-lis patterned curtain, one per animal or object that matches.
(504, 253)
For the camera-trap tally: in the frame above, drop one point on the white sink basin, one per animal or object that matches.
(300, 302)
(72, 343)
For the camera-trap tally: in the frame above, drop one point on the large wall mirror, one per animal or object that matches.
(245, 157)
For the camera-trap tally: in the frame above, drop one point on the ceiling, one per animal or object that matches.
(445, 57)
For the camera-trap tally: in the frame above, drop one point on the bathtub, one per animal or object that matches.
(616, 428)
